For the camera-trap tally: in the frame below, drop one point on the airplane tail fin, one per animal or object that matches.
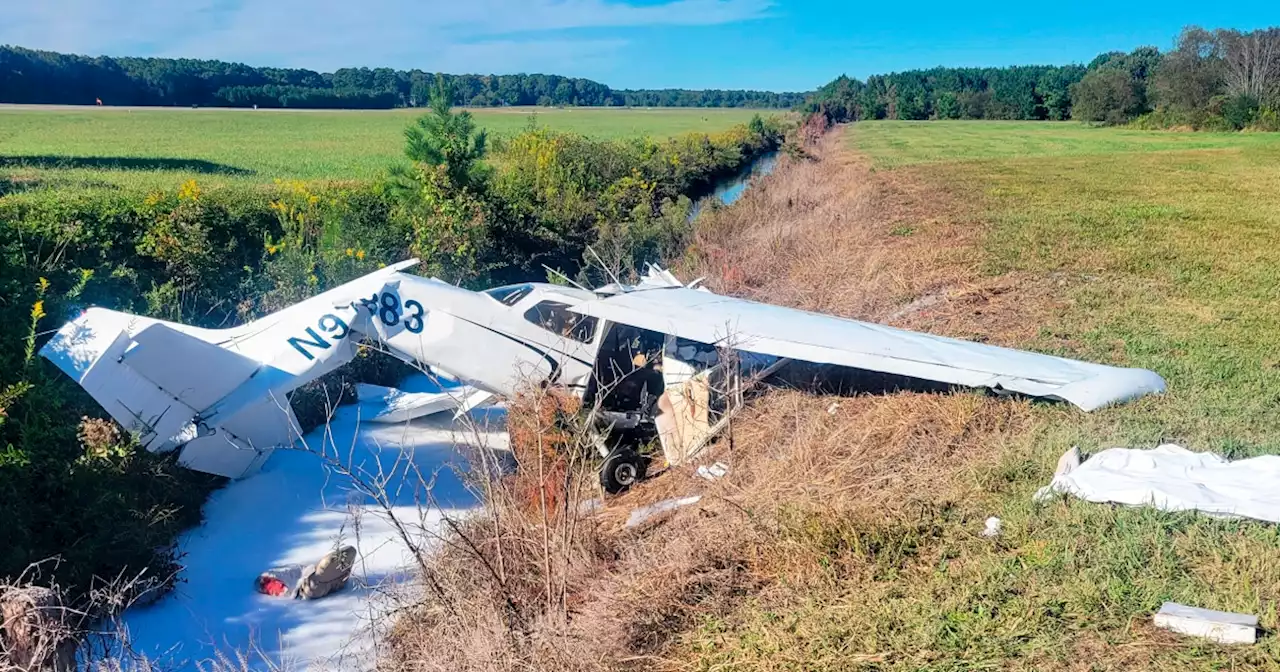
(217, 394)
(156, 379)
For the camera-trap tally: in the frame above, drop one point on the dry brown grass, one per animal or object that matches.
(832, 234)
(820, 489)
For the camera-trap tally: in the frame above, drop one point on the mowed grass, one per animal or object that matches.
(1162, 247)
(900, 143)
(1156, 250)
(162, 147)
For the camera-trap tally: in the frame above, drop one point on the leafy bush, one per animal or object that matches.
(1107, 95)
(1240, 110)
(1267, 119)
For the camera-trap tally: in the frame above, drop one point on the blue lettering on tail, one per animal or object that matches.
(316, 340)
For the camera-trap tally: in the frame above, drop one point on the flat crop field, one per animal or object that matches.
(149, 146)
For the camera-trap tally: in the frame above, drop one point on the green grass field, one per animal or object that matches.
(162, 147)
(899, 143)
(1150, 249)
(1165, 244)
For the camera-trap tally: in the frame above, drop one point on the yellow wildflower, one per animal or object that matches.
(44, 285)
(37, 311)
(360, 255)
(189, 191)
(350, 252)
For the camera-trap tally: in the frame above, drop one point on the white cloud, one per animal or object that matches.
(451, 35)
(101, 26)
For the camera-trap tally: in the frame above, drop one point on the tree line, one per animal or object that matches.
(1211, 79)
(45, 77)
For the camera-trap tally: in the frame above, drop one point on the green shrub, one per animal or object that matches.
(1240, 111)
(1267, 119)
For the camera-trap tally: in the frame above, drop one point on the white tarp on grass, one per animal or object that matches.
(1173, 478)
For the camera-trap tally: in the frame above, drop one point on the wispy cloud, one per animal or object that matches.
(452, 35)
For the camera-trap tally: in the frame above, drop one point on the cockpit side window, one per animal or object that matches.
(556, 318)
(511, 294)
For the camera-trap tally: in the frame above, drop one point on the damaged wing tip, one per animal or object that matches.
(1113, 387)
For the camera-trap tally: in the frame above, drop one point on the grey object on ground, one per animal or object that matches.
(1223, 627)
(645, 513)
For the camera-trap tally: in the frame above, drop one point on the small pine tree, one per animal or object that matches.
(446, 138)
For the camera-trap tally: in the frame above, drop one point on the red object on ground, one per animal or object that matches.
(273, 587)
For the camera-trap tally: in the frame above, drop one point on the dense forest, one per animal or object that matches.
(1213, 80)
(45, 77)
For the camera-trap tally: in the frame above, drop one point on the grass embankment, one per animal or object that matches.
(162, 147)
(1135, 248)
(847, 535)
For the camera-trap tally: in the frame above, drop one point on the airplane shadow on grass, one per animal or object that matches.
(121, 163)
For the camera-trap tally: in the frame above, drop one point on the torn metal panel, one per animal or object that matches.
(801, 335)
(683, 420)
(389, 405)
(684, 408)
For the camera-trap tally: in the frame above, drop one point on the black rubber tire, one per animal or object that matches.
(622, 469)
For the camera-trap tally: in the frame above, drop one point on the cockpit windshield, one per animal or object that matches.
(509, 295)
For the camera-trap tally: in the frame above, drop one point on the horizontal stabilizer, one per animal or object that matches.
(193, 371)
(241, 443)
(92, 349)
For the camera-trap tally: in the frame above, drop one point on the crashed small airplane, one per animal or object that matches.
(646, 358)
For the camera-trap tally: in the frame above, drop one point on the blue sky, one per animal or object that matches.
(761, 44)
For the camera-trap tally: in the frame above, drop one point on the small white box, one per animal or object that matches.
(1220, 626)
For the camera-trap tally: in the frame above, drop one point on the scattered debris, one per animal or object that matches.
(645, 513)
(279, 581)
(1223, 627)
(328, 575)
(1172, 478)
(835, 406)
(309, 582)
(590, 506)
(713, 472)
(993, 528)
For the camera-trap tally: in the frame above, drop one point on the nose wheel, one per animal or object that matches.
(622, 468)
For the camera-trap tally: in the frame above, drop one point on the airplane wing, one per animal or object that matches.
(812, 337)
